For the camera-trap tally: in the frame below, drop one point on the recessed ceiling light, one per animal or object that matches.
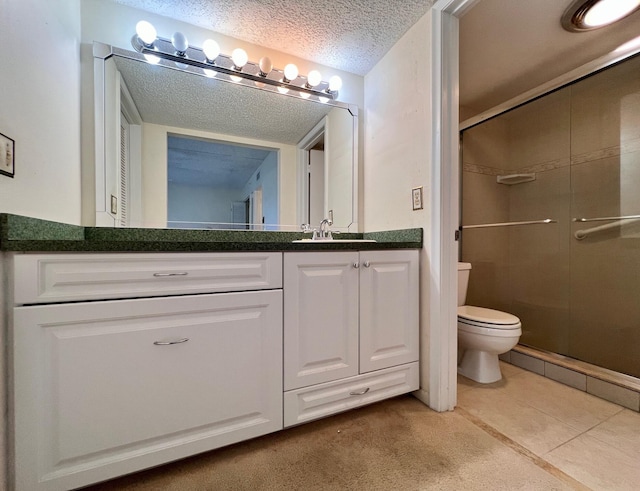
(586, 15)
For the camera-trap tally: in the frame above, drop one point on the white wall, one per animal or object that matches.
(397, 143)
(397, 153)
(40, 107)
(338, 147)
(40, 110)
(269, 183)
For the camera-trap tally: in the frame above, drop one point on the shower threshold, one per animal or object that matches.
(606, 384)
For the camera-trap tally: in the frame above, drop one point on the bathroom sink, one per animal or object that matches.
(329, 241)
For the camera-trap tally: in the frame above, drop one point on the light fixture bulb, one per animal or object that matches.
(153, 59)
(586, 15)
(265, 66)
(314, 78)
(146, 32)
(239, 58)
(211, 50)
(180, 43)
(290, 72)
(335, 83)
(606, 12)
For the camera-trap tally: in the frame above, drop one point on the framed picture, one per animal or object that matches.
(416, 194)
(7, 156)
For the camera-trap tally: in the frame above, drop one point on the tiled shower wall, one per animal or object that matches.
(575, 297)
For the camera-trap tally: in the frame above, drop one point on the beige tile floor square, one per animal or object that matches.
(593, 441)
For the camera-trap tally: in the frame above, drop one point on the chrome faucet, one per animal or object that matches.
(324, 232)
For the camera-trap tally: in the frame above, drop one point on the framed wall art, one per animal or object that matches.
(7, 156)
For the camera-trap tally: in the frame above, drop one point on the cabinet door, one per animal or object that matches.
(320, 317)
(388, 308)
(106, 388)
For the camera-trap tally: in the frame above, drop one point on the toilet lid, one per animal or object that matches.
(487, 316)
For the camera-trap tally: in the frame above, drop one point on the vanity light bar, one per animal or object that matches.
(163, 48)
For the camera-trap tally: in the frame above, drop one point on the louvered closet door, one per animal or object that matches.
(123, 219)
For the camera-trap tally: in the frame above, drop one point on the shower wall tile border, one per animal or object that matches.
(565, 376)
(482, 169)
(527, 362)
(614, 393)
(583, 380)
(627, 147)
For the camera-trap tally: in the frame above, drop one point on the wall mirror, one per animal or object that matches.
(142, 109)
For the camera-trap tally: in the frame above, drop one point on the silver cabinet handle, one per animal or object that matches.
(356, 265)
(158, 275)
(168, 343)
(359, 393)
(367, 264)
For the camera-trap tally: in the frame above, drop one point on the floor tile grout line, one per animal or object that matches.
(542, 410)
(603, 441)
(528, 454)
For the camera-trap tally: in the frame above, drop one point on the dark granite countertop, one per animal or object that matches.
(24, 234)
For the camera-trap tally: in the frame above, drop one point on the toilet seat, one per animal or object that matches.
(481, 317)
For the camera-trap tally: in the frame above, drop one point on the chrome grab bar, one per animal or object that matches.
(602, 219)
(617, 222)
(510, 224)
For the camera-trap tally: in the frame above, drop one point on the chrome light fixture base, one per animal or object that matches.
(223, 64)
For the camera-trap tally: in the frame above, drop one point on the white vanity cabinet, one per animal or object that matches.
(102, 388)
(350, 330)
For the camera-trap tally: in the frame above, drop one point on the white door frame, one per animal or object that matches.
(443, 329)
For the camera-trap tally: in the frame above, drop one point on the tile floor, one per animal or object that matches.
(593, 441)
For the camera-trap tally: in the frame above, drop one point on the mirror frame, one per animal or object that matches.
(104, 211)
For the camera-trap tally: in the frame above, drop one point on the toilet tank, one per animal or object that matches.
(464, 269)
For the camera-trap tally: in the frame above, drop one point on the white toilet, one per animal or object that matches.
(483, 334)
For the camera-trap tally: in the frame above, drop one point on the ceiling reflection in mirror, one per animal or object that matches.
(175, 98)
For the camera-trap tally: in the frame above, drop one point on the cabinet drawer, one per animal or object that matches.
(315, 402)
(50, 278)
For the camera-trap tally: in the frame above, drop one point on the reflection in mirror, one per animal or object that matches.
(172, 103)
(232, 186)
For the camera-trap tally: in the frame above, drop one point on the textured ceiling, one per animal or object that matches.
(349, 35)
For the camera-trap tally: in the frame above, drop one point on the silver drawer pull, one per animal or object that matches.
(359, 393)
(356, 265)
(168, 343)
(367, 264)
(159, 275)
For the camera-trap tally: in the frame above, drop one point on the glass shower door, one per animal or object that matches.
(573, 156)
(605, 247)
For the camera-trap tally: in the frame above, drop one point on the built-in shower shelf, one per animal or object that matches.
(510, 179)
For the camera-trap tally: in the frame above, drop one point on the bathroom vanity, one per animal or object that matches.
(125, 360)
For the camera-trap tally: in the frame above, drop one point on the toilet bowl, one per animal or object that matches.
(483, 334)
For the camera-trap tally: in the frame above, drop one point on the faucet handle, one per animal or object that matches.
(306, 228)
